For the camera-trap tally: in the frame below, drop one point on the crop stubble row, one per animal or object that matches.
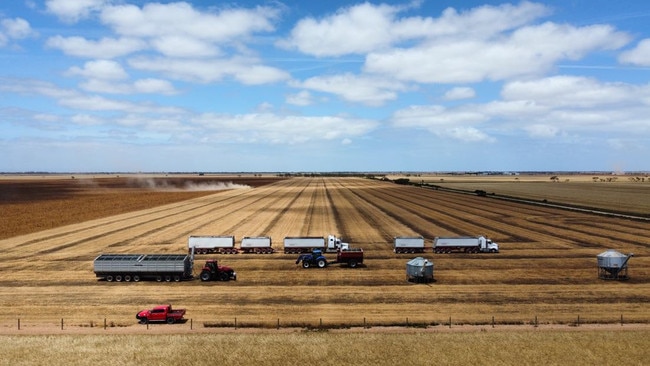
(549, 272)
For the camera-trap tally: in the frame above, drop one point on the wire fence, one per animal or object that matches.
(63, 324)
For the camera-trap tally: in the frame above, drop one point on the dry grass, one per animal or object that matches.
(318, 348)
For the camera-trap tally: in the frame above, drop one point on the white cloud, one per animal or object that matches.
(73, 10)
(366, 27)
(640, 55)
(542, 108)
(245, 70)
(16, 28)
(527, 51)
(180, 19)
(181, 46)
(457, 123)
(357, 29)
(106, 48)
(302, 98)
(573, 91)
(100, 69)
(369, 90)
(276, 129)
(459, 93)
(542, 131)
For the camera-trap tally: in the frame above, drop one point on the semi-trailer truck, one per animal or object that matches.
(306, 244)
(464, 244)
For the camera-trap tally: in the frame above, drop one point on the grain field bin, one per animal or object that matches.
(419, 270)
(612, 265)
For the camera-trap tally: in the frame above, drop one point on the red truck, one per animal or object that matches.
(161, 313)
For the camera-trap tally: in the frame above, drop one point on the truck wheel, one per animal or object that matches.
(305, 264)
(177, 278)
(352, 264)
(205, 276)
(143, 321)
(168, 278)
(321, 263)
(109, 278)
(136, 278)
(118, 278)
(224, 276)
(170, 320)
(127, 278)
(158, 278)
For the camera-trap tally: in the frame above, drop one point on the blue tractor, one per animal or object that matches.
(314, 259)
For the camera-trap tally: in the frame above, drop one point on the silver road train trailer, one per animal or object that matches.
(136, 267)
(207, 244)
(256, 244)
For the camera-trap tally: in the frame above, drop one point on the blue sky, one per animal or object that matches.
(122, 85)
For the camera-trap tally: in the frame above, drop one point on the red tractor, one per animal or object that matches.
(211, 271)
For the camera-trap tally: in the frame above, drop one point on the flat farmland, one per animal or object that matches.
(546, 269)
(628, 194)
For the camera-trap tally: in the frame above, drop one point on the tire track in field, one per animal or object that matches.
(500, 225)
(257, 213)
(274, 221)
(580, 234)
(156, 222)
(310, 211)
(177, 215)
(444, 218)
(374, 216)
(269, 195)
(76, 229)
(534, 213)
(340, 224)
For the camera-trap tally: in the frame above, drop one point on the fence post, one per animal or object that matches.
(320, 323)
(621, 320)
(364, 322)
(18, 323)
(278, 323)
(104, 323)
(536, 321)
(61, 323)
(235, 322)
(449, 322)
(578, 322)
(407, 321)
(191, 324)
(492, 321)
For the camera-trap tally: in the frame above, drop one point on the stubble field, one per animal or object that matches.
(546, 273)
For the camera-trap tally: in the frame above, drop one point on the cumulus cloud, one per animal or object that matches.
(640, 55)
(278, 129)
(459, 93)
(542, 108)
(74, 10)
(246, 70)
(13, 29)
(302, 98)
(100, 69)
(181, 19)
(366, 27)
(105, 48)
(528, 51)
(369, 90)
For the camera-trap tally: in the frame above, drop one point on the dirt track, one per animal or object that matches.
(546, 268)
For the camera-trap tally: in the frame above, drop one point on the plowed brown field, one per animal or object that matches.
(546, 268)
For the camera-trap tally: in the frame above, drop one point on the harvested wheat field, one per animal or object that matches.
(545, 273)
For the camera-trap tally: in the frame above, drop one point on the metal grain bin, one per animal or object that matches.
(612, 265)
(419, 270)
